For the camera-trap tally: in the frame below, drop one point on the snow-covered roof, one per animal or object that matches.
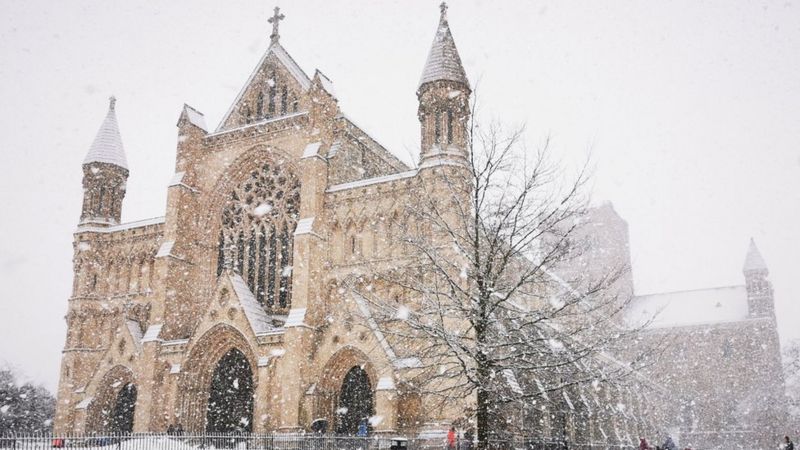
(326, 83)
(107, 144)
(194, 117)
(256, 316)
(683, 308)
(443, 62)
(288, 62)
(754, 262)
(122, 226)
(371, 181)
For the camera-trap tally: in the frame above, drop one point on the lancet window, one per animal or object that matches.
(255, 240)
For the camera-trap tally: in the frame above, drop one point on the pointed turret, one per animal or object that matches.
(443, 96)
(759, 289)
(754, 262)
(443, 62)
(107, 145)
(105, 172)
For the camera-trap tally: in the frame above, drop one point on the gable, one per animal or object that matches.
(276, 87)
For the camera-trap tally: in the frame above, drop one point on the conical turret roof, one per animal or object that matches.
(754, 262)
(443, 62)
(107, 145)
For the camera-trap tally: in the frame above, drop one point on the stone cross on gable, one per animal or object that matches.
(275, 21)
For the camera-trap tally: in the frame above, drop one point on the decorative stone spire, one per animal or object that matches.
(760, 298)
(754, 262)
(107, 145)
(275, 20)
(105, 172)
(443, 62)
(443, 96)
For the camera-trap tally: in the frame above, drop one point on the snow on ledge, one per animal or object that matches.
(385, 384)
(295, 318)
(304, 226)
(311, 150)
(165, 249)
(371, 181)
(84, 403)
(151, 335)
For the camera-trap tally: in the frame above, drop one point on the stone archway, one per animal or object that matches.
(356, 401)
(346, 391)
(206, 378)
(121, 420)
(230, 398)
(112, 409)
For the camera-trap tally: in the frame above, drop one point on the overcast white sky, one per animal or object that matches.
(691, 110)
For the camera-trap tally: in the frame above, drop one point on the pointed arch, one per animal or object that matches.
(112, 408)
(198, 372)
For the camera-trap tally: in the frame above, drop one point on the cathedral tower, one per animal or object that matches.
(105, 171)
(760, 300)
(443, 95)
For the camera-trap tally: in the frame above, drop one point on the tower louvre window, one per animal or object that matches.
(258, 223)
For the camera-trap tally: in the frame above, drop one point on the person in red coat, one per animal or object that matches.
(451, 438)
(643, 445)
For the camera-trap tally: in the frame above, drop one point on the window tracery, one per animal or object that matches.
(255, 240)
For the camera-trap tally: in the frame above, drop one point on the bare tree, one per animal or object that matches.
(791, 370)
(499, 302)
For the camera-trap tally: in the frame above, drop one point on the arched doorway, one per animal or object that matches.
(121, 420)
(355, 401)
(230, 397)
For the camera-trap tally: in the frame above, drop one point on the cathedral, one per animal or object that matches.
(238, 303)
(268, 216)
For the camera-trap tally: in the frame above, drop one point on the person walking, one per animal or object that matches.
(787, 443)
(451, 439)
(644, 445)
(669, 444)
(469, 436)
(362, 428)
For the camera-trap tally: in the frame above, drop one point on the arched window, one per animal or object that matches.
(260, 105)
(100, 201)
(256, 238)
(437, 128)
(272, 92)
(449, 127)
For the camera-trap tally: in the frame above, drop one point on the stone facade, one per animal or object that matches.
(271, 220)
(268, 221)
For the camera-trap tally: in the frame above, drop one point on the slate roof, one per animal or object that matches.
(443, 63)
(685, 308)
(107, 145)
